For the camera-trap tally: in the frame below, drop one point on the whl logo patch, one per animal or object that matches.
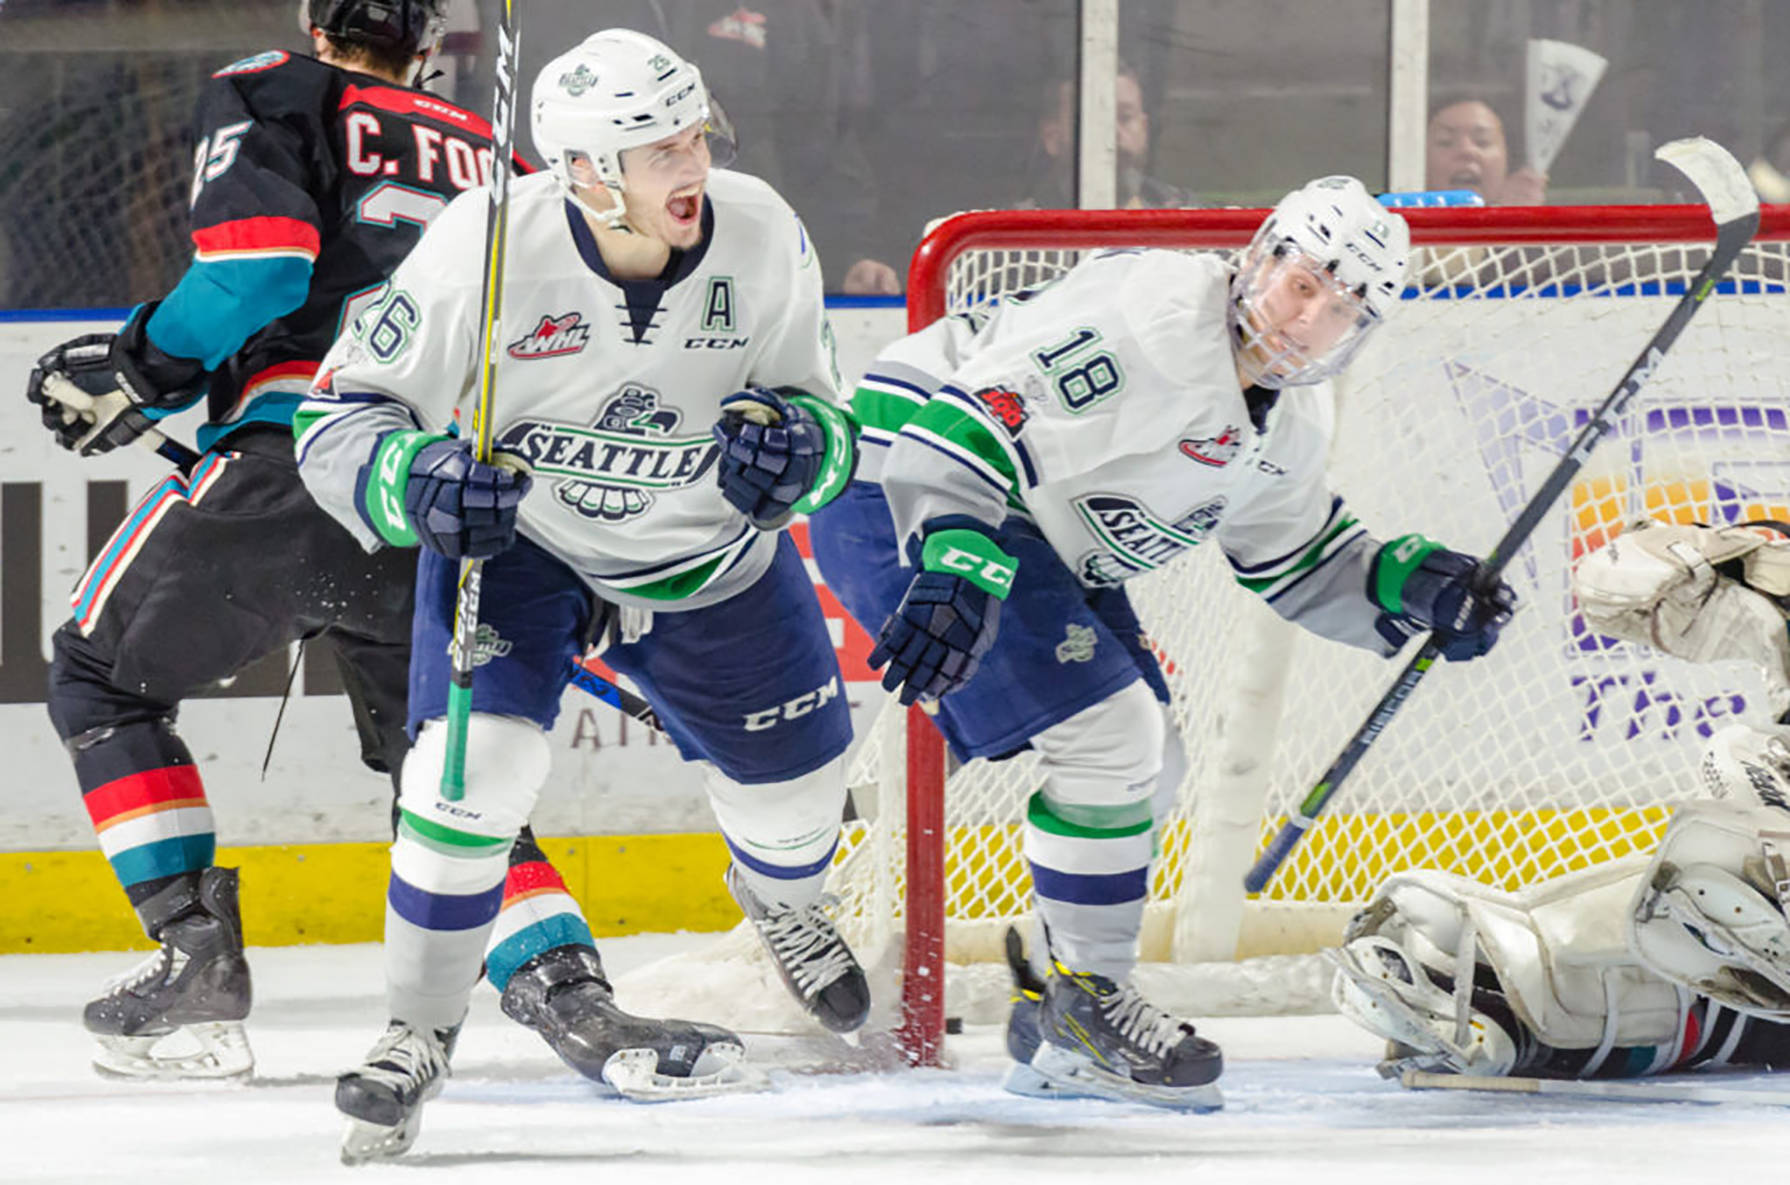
(554, 337)
(1216, 451)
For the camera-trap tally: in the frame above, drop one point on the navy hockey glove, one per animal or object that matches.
(422, 488)
(93, 391)
(935, 639)
(1422, 585)
(782, 452)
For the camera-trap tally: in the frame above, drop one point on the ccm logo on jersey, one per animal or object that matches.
(1216, 451)
(794, 709)
(1007, 408)
(554, 337)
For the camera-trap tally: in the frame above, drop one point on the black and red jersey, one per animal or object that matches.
(310, 184)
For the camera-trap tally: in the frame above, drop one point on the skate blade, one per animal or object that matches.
(634, 1073)
(1023, 1080)
(364, 1142)
(1078, 1076)
(210, 1050)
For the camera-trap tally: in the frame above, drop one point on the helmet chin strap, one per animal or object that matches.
(612, 218)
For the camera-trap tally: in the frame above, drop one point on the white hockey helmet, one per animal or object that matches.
(1335, 230)
(616, 90)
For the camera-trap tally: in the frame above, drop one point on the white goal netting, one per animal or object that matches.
(1559, 750)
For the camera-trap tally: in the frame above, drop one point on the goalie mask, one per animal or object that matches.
(616, 91)
(1325, 267)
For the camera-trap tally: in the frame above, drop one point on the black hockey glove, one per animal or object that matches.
(1422, 585)
(935, 639)
(460, 507)
(782, 452)
(93, 390)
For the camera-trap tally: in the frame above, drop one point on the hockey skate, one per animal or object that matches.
(383, 1099)
(179, 1013)
(1101, 1038)
(563, 995)
(1022, 1029)
(816, 965)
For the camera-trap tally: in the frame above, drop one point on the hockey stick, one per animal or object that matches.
(1644, 1091)
(90, 406)
(1734, 207)
(617, 697)
(463, 651)
(185, 457)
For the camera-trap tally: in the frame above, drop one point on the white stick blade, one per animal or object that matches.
(1716, 174)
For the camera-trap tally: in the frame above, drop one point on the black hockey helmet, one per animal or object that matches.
(394, 26)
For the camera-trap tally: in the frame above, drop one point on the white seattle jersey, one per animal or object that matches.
(1106, 407)
(607, 388)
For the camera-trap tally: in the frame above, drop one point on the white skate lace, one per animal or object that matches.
(805, 941)
(403, 1059)
(165, 963)
(1141, 1022)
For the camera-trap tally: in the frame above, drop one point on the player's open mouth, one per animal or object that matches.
(1465, 179)
(685, 207)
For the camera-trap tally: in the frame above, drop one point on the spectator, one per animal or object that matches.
(1051, 173)
(1465, 148)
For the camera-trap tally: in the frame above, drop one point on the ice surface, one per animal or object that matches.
(1304, 1107)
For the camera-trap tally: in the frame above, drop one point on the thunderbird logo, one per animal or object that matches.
(554, 337)
(1216, 451)
(578, 81)
(615, 469)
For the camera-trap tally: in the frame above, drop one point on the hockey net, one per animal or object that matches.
(1560, 750)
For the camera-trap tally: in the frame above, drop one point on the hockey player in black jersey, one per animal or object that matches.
(313, 178)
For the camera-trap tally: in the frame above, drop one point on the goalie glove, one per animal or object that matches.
(783, 452)
(935, 640)
(1421, 585)
(97, 392)
(1698, 593)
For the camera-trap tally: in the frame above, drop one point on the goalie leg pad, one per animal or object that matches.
(1436, 963)
(1749, 766)
(1710, 914)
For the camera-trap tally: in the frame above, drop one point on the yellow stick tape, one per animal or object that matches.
(59, 902)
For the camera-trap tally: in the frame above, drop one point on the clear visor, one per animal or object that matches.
(1292, 321)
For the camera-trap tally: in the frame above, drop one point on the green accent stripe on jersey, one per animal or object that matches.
(962, 432)
(885, 410)
(1040, 814)
(1314, 555)
(306, 417)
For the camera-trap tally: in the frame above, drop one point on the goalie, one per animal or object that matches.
(1638, 966)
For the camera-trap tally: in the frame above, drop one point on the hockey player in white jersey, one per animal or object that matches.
(1020, 463)
(666, 376)
(1658, 962)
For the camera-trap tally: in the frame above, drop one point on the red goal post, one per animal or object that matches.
(1620, 240)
